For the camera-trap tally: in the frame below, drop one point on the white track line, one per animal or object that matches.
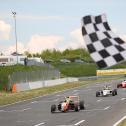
(1, 110)
(76, 94)
(26, 109)
(102, 109)
(99, 100)
(117, 123)
(75, 90)
(43, 101)
(123, 99)
(79, 122)
(21, 110)
(34, 102)
(58, 95)
(106, 108)
(40, 124)
(91, 110)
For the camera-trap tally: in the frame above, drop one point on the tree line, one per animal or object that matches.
(56, 55)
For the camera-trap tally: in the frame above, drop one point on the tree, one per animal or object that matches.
(46, 54)
(28, 54)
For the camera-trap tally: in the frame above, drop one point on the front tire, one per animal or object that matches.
(97, 94)
(53, 108)
(115, 91)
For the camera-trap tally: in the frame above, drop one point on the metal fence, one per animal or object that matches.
(31, 76)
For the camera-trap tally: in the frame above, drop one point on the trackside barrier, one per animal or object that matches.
(32, 76)
(40, 84)
(97, 77)
(111, 72)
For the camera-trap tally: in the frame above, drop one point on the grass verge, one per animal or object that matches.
(82, 69)
(8, 98)
(123, 123)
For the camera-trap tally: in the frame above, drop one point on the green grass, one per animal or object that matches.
(81, 69)
(122, 65)
(123, 123)
(76, 69)
(8, 98)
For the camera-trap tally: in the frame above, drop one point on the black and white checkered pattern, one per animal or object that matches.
(106, 48)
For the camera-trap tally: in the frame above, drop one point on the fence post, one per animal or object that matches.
(9, 83)
(32, 76)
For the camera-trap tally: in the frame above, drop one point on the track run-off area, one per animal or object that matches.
(100, 111)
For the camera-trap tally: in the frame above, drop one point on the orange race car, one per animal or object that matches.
(70, 103)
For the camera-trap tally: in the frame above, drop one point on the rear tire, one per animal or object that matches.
(76, 108)
(113, 93)
(53, 108)
(81, 104)
(97, 94)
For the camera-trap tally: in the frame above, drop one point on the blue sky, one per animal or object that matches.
(43, 24)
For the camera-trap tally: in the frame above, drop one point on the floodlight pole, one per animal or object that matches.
(14, 15)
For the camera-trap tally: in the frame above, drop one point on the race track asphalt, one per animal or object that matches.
(100, 111)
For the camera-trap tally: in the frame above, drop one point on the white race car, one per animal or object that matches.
(106, 92)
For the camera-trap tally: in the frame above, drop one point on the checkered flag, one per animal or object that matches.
(105, 48)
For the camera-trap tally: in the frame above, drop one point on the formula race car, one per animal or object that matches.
(71, 103)
(106, 92)
(122, 84)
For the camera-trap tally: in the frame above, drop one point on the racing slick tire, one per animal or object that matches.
(59, 105)
(97, 94)
(76, 108)
(53, 108)
(81, 104)
(114, 92)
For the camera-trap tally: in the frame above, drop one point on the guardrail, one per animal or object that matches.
(40, 84)
(96, 77)
(32, 76)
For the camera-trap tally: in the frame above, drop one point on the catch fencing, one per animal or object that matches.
(41, 84)
(32, 76)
